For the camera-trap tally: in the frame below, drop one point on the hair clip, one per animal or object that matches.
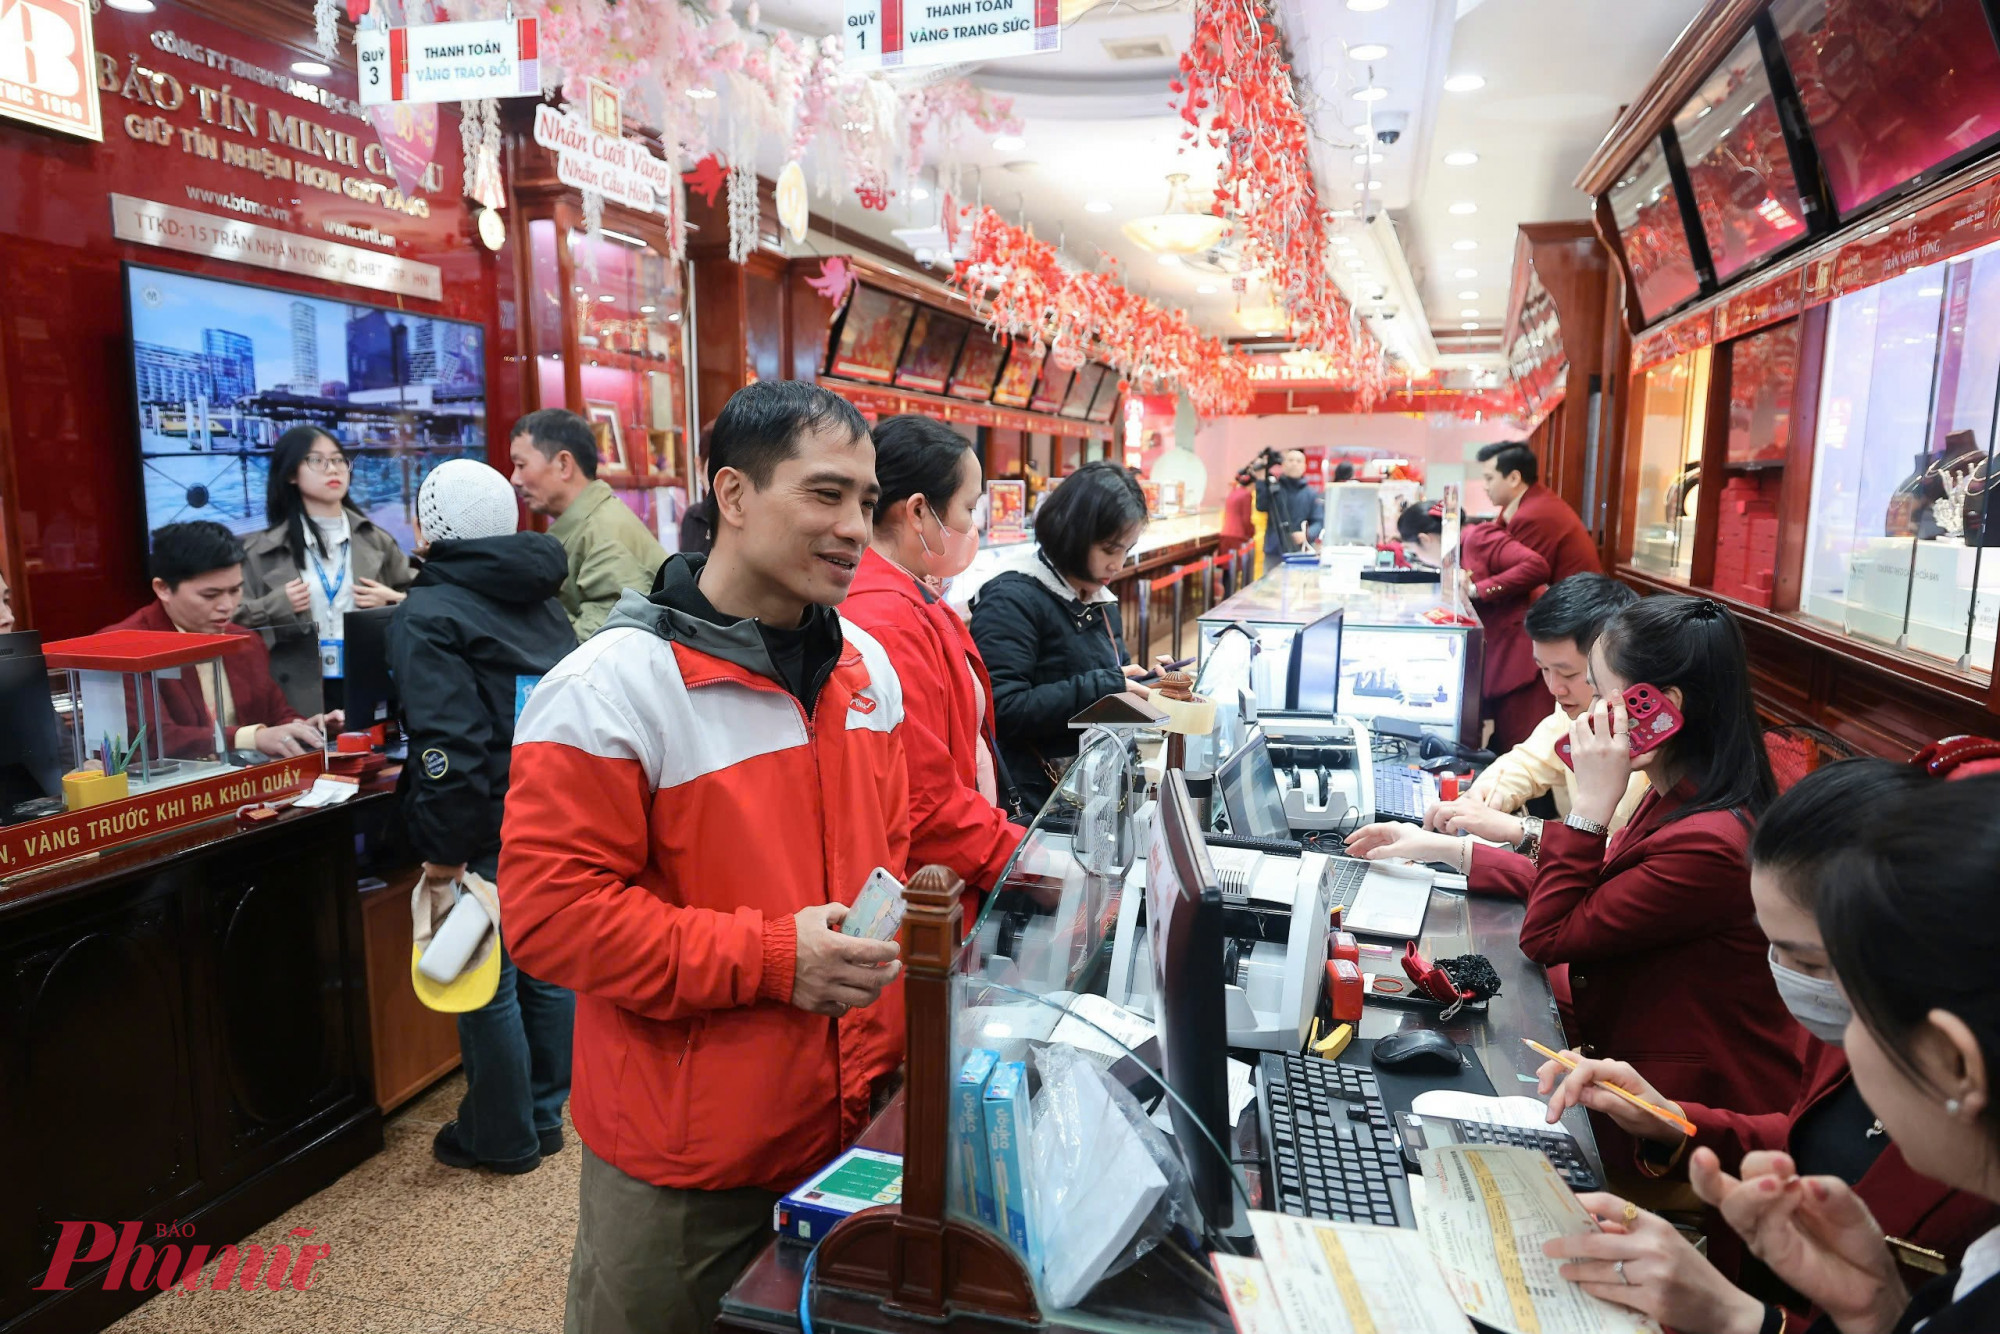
(1707, 609)
(1436, 511)
(1959, 757)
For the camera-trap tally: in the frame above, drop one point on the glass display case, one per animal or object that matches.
(1903, 444)
(1671, 398)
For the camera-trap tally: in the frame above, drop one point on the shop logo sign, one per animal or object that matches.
(47, 61)
(136, 1266)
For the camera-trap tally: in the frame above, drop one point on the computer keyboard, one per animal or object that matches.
(1329, 1143)
(1402, 793)
(1344, 878)
(1284, 847)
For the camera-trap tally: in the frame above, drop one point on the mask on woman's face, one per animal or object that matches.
(956, 549)
(1815, 1002)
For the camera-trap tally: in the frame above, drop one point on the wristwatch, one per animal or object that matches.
(1577, 822)
(1530, 845)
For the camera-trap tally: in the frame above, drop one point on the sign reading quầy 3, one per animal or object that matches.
(618, 168)
(448, 62)
(148, 222)
(39, 843)
(48, 66)
(942, 32)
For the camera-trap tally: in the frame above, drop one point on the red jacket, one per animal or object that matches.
(1239, 520)
(1506, 575)
(930, 648)
(1666, 962)
(669, 810)
(1909, 1207)
(1545, 522)
(190, 728)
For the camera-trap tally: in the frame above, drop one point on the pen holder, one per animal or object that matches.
(84, 788)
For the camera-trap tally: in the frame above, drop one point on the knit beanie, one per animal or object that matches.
(462, 499)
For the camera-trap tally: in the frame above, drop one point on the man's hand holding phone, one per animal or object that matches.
(834, 973)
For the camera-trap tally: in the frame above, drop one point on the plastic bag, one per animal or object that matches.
(1108, 1183)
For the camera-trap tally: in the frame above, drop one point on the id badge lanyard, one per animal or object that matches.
(332, 655)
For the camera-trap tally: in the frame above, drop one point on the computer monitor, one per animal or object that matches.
(371, 693)
(31, 764)
(1250, 792)
(1184, 931)
(1312, 684)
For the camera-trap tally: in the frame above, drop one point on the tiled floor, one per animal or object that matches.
(418, 1248)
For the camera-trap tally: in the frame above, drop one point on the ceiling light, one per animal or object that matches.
(626, 237)
(1464, 83)
(1470, 324)
(1373, 93)
(674, 318)
(1367, 51)
(1465, 245)
(1357, 263)
(1368, 185)
(1206, 289)
(1464, 157)
(1468, 296)
(701, 94)
(1097, 206)
(647, 310)
(1463, 207)
(1469, 312)
(1170, 261)
(1465, 273)
(311, 69)
(1177, 229)
(1367, 6)
(132, 6)
(607, 297)
(1008, 143)
(1367, 159)
(918, 192)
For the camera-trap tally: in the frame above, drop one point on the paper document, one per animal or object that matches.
(1242, 1088)
(1485, 1212)
(1128, 1031)
(1253, 1303)
(1482, 1109)
(1349, 1278)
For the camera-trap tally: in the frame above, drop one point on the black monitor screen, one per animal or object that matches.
(1250, 792)
(220, 370)
(31, 764)
(1314, 684)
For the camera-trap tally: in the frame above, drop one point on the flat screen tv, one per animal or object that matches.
(1106, 401)
(221, 369)
(1049, 394)
(871, 335)
(1897, 92)
(931, 350)
(1083, 389)
(978, 367)
(1648, 212)
(1017, 382)
(1738, 165)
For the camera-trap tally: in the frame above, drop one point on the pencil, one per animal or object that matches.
(1568, 1064)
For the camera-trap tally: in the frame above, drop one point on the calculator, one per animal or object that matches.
(1558, 1146)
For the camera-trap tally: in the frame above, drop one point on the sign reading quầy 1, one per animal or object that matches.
(448, 62)
(148, 222)
(896, 33)
(620, 169)
(48, 66)
(39, 843)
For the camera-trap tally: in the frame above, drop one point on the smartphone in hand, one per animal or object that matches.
(1654, 719)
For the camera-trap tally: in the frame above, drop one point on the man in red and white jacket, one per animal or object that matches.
(698, 793)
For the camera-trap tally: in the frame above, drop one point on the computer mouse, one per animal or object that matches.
(1403, 867)
(1417, 1049)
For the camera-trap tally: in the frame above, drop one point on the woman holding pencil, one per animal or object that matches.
(1909, 923)
(1666, 964)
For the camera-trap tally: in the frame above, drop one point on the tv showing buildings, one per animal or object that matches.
(221, 370)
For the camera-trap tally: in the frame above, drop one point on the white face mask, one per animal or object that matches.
(1815, 1002)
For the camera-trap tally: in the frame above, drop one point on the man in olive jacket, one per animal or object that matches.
(610, 549)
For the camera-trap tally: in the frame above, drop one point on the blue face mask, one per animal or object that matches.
(1815, 1002)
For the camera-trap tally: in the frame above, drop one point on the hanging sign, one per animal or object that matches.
(901, 33)
(448, 62)
(47, 66)
(620, 169)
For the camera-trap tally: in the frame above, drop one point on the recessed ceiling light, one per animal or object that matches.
(1469, 311)
(1370, 94)
(918, 192)
(1367, 51)
(1464, 206)
(132, 6)
(1368, 159)
(1097, 206)
(1368, 185)
(1357, 263)
(1367, 6)
(1206, 289)
(1470, 324)
(1464, 83)
(701, 94)
(311, 69)
(1465, 245)
(1170, 261)
(1462, 158)
(1465, 273)
(1468, 296)
(1009, 143)
(607, 297)
(647, 310)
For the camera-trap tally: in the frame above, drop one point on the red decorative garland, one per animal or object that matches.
(1023, 287)
(1235, 75)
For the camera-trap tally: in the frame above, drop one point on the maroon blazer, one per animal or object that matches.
(1543, 521)
(1909, 1207)
(1666, 962)
(1506, 576)
(189, 727)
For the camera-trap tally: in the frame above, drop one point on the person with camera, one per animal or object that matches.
(1295, 509)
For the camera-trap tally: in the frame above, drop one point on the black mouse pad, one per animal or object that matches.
(1400, 1087)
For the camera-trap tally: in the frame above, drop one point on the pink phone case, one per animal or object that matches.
(1654, 719)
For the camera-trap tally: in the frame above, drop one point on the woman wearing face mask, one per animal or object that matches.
(1830, 1131)
(1050, 630)
(1666, 964)
(924, 535)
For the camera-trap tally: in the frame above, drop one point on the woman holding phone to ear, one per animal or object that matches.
(1666, 964)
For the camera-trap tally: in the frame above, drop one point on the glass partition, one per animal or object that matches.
(1673, 395)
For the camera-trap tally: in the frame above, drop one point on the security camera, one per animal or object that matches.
(1389, 126)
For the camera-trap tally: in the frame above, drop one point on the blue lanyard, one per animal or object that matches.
(332, 590)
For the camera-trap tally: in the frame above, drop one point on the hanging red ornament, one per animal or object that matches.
(706, 178)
